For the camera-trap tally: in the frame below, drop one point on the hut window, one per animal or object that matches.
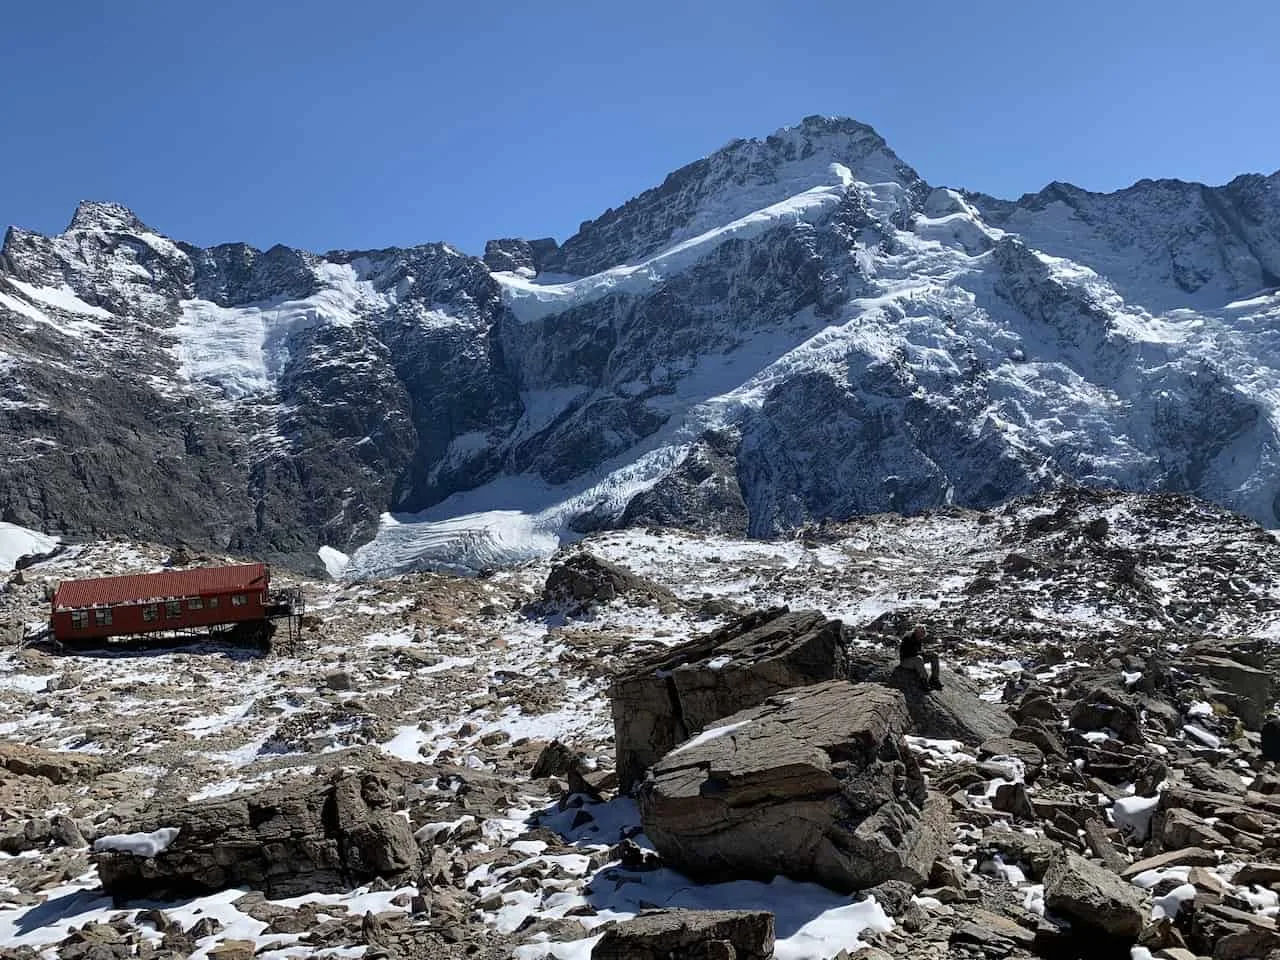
(195, 603)
(79, 619)
(212, 603)
(102, 617)
(173, 608)
(239, 599)
(149, 612)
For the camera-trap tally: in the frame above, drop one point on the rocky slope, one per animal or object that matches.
(789, 329)
(410, 738)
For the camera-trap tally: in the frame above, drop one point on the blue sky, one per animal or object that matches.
(326, 124)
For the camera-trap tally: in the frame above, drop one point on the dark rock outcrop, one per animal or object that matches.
(1235, 677)
(510, 254)
(583, 578)
(1101, 709)
(821, 771)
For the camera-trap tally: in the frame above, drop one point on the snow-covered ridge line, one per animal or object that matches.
(530, 300)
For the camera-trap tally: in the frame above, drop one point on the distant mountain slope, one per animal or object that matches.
(791, 328)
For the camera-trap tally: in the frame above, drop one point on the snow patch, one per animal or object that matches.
(1133, 815)
(138, 844)
(62, 298)
(243, 350)
(16, 541)
(715, 733)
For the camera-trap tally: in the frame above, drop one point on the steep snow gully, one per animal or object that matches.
(792, 328)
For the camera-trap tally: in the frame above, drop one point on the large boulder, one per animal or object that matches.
(583, 579)
(1093, 898)
(816, 783)
(690, 935)
(1227, 933)
(667, 699)
(288, 839)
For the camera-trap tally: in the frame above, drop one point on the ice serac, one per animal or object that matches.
(791, 328)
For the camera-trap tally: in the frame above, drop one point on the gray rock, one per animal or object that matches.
(1181, 829)
(1030, 754)
(821, 771)
(664, 700)
(1247, 688)
(286, 840)
(555, 760)
(1229, 934)
(690, 935)
(894, 896)
(338, 680)
(1036, 854)
(955, 712)
(64, 831)
(1093, 897)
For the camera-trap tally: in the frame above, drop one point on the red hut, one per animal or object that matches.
(194, 601)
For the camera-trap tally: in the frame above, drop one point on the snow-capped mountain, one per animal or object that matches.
(792, 328)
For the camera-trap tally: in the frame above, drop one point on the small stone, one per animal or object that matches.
(338, 680)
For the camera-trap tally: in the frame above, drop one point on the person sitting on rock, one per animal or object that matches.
(912, 655)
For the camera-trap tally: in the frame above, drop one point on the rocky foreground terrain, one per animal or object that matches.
(671, 744)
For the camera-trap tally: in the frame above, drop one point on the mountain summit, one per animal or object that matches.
(789, 329)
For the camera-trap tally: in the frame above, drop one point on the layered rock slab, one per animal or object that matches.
(286, 840)
(664, 700)
(56, 766)
(691, 935)
(816, 783)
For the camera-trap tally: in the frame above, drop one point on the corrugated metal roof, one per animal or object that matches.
(135, 588)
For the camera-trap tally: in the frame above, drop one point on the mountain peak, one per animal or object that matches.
(102, 215)
(741, 177)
